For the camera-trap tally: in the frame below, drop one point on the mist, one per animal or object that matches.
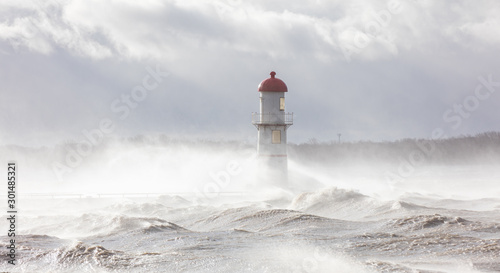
(127, 140)
(464, 167)
(352, 206)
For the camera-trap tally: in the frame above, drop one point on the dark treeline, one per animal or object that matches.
(483, 148)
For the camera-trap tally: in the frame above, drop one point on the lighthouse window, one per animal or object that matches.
(282, 104)
(276, 137)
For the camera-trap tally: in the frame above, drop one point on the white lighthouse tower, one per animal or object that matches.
(272, 122)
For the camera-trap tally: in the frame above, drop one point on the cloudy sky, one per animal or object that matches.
(371, 70)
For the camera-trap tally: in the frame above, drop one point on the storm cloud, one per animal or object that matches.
(371, 70)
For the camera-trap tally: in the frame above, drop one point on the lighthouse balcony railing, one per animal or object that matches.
(272, 118)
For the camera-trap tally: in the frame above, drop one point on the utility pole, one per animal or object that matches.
(339, 134)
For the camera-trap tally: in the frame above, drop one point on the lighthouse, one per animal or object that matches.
(272, 123)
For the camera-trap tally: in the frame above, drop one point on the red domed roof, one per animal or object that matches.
(272, 85)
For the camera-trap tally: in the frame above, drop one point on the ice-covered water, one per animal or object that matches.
(329, 230)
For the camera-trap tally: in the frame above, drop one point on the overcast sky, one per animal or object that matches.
(371, 70)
